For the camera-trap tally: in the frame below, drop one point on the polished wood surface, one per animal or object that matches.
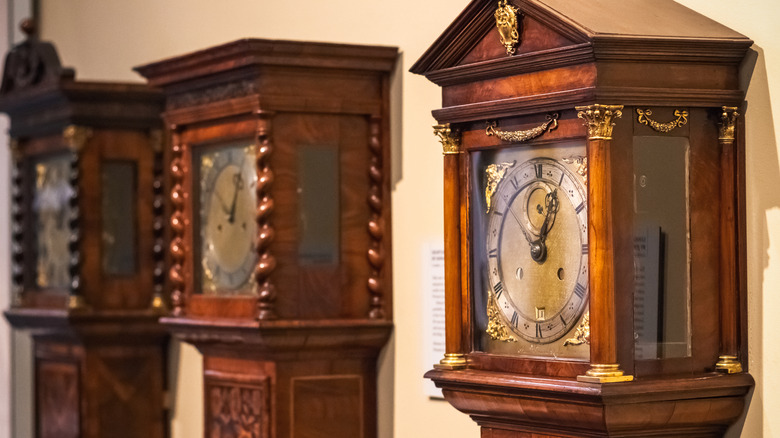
(455, 324)
(601, 254)
(298, 357)
(729, 297)
(609, 53)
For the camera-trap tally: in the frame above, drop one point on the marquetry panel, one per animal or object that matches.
(57, 399)
(237, 406)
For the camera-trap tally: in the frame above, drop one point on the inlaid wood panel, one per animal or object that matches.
(58, 399)
(237, 406)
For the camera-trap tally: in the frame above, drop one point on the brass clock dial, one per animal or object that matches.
(227, 219)
(51, 204)
(536, 249)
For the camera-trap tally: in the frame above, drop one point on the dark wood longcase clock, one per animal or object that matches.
(279, 176)
(594, 218)
(87, 248)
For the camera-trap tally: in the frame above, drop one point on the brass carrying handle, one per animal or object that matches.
(521, 136)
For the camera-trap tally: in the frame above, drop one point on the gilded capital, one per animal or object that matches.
(599, 119)
(728, 123)
(156, 140)
(450, 139)
(76, 137)
(16, 149)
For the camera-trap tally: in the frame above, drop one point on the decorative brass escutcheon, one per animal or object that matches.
(495, 328)
(582, 166)
(582, 334)
(521, 136)
(643, 117)
(507, 25)
(495, 173)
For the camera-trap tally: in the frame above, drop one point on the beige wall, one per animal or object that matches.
(104, 39)
(5, 330)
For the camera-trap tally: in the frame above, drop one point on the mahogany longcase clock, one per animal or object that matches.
(279, 171)
(87, 245)
(594, 218)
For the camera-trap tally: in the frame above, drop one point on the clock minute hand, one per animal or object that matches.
(539, 248)
(551, 205)
(522, 228)
(238, 184)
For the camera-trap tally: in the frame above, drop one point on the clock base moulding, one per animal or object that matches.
(293, 377)
(508, 405)
(97, 374)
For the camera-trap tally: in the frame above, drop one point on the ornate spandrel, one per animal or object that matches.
(32, 63)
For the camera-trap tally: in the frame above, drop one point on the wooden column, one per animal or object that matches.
(177, 222)
(158, 303)
(266, 262)
(75, 137)
(376, 224)
(454, 354)
(18, 221)
(728, 361)
(604, 367)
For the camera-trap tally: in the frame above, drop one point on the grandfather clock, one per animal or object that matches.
(594, 218)
(87, 245)
(279, 172)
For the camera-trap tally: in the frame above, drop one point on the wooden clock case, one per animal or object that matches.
(300, 352)
(100, 354)
(588, 64)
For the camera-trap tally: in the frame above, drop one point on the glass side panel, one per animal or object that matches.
(118, 212)
(318, 194)
(51, 207)
(661, 247)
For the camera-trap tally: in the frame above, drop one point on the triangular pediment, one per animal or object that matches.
(575, 30)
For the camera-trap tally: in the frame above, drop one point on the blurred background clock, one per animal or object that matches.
(87, 245)
(279, 168)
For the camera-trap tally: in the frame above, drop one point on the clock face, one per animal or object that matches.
(227, 227)
(534, 260)
(51, 197)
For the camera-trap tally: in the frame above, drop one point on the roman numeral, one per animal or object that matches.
(579, 290)
(538, 330)
(584, 248)
(561, 181)
(515, 319)
(580, 207)
(514, 182)
(538, 168)
(493, 253)
(562, 320)
(498, 289)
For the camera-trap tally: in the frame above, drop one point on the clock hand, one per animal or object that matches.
(238, 184)
(222, 202)
(551, 205)
(539, 248)
(522, 227)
